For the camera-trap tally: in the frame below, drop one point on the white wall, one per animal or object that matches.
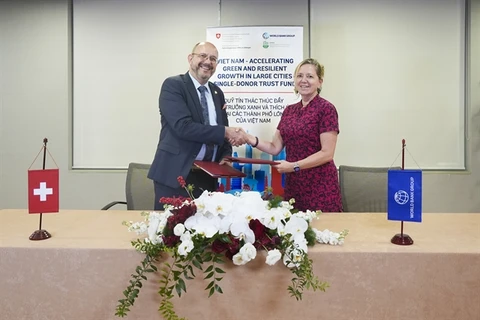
(36, 99)
(36, 102)
(392, 78)
(386, 81)
(122, 52)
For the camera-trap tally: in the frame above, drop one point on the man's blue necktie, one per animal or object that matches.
(203, 101)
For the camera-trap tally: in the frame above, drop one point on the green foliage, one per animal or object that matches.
(304, 279)
(213, 272)
(310, 236)
(167, 309)
(302, 269)
(147, 266)
(343, 234)
(274, 202)
(174, 275)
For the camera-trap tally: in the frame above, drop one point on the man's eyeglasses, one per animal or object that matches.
(204, 56)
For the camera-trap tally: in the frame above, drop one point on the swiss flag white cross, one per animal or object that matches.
(43, 191)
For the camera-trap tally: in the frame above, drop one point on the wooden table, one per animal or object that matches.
(82, 270)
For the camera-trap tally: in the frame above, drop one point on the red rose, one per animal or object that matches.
(171, 241)
(260, 231)
(219, 246)
(233, 247)
(257, 227)
(186, 212)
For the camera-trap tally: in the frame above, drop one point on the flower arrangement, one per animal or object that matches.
(200, 233)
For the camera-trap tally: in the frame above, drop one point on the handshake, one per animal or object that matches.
(238, 136)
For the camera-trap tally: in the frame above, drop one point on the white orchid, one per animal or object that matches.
(214, 203)
(185, 247)
(154, 227)
(203, 225)
(247, 253)
(224, 213)
(179, 229)
(238, 260)
(186, 236)
(241, 230)
(273, 217)
(137, 227)
(308, 215)
(301, 242)
(220, 217)
(293, 256)
(296, 226)
(281, 230)
(328, 237)
(273, 256)
(249, 204)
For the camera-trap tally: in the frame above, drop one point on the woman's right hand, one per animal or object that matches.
(250, 139)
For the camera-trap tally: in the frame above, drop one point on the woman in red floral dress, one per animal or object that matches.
(308, 130)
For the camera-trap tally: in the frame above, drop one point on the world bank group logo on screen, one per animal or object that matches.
(401, 197)
(267, 35)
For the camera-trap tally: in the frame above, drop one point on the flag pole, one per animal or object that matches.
(41, 234)
(401, 238)
(45, 140)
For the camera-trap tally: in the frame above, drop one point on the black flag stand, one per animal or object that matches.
(41, 234)
(401, 238)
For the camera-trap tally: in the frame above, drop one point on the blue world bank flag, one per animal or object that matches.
(405, 195)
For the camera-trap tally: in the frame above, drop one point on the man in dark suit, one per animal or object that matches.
(194, 127)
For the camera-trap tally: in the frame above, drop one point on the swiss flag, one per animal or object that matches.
(43, 191)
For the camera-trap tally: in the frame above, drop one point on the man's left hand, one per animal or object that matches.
(226, 161)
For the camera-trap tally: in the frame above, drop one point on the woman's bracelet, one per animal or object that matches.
(256, 142)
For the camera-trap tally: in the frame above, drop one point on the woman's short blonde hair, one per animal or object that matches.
(319, 69)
